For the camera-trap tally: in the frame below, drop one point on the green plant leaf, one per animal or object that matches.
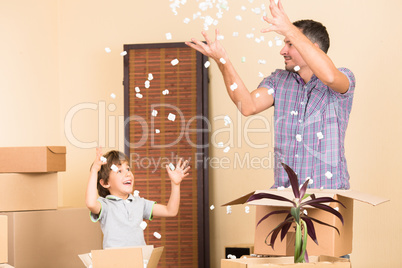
(294, 181)
(295, 211)
(306, 195)
(269, 196)
(298, 242)
(272, 213)
(304, 242)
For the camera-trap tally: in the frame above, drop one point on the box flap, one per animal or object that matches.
(86, 259)
(288, 193)
(155, 256)
(146, 251)
(57, 149)
(240, 200)
(117, 257)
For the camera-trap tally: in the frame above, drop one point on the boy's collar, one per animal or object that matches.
(112, 197)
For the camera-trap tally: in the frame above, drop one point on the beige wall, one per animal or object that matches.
(56, 79)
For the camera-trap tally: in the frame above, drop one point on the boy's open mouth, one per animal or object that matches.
(127, 182)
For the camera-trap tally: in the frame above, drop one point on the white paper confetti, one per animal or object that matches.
(186, 20)
(247, 209)
(174, 62)
(136, 193)
(165, 92)
(305, 212)
(257, 95)
(143, 225)
(310, 181)
(271, 91)
(171, 117)
(113, 96)
(270, 43)
(220, 144)
(222, 60)
(137, 89)
(257, 40)
(150, 76)
(235, 34)
(280, 188)
(220, 37)
(157, 235)
(147, 84)
(298, 137)
(260, 74)
(108, 50)
(207, 64)
(227, 149)
(168, 36)
(154, 112)
(157, 131)
(336, 208)
(278, 42)
(320, 136)
(139, 95)
(233, 86)
(262, 61)
(229, 210)
(328, 175)
(227, 120)
(212, 207)
(243, 8)
(297, 68)
(239, 18)
(243, 59)
(114, 168)
(172, 167)
(103, 159)
(124, 53)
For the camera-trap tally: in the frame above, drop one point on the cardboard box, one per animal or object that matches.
(5, 265)
(52, 238)
(3, 239)
(132, 257)
(330, 243)
(20, 191)
(32, 159)
(239, 250)
(277, 262)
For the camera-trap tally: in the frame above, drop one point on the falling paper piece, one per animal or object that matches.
(271, 91)
(172, 167)
(220, 144)
(247, 209)
(143, 225)
(228, 209)
(280, 188)
(235, 34)
(174, 62)
(297, 68)
(168, 36)
(257, 95)
(238, 17)
(328, 175)
(298, 137)
(147, 84)
(262, 61)
(137, 89)
(226, 149)
(270, 44)
(220, 37)
(139, 95)
(124, 53)
(227, 120)
(243, 59)
(186, 20)
(243, 8)
(113, 96)
(108, 50)
(136, 193)
(212, 207)
(207, 64)
(233, 86)
(250, 35)
(154, 112)
(310, 181)
(278, 42)
(165, 92)
(319, 135)
(222, 60)
(305, 212)
(336, 208)
(157, 235)
(150, 77)
(260, 74)
(157, 131)
(258, 40)
(171, 117)
(103, 159)
(114, 168)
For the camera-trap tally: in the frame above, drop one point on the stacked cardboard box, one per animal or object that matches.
(38, 234)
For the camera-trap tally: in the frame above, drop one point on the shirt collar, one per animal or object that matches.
(300, 80)
(112, 197)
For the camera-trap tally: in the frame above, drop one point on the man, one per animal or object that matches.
(312, 100)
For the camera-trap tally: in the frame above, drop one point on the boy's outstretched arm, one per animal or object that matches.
(176, 176)
(91, 197)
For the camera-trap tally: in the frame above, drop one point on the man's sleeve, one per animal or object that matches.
(352, 83)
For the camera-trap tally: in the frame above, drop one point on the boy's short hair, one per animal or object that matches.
(315, 32)
(113, 158)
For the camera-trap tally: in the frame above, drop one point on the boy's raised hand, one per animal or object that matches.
(98, 162)
(179, 173)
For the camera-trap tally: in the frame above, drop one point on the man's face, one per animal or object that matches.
(292, 56)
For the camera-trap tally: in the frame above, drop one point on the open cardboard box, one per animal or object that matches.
(3, 239)
(32, 159)
(131, 257)
(281, 262)
(330, 243)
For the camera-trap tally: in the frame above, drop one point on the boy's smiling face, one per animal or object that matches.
(120, 183)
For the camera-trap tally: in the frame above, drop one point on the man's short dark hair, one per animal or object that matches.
(315, 32)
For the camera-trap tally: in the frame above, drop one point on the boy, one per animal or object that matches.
(118, 211)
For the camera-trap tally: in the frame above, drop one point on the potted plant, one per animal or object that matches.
(304, 224)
